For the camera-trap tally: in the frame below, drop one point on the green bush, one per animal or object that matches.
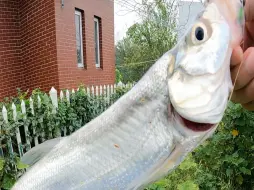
(227, 159)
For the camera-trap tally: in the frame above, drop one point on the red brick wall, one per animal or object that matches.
(10, 61)
(70, 76)
(38, 43)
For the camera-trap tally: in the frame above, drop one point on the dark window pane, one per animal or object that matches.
(96, 42)
(79, 54)
(78, 38)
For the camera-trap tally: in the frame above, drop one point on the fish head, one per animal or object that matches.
(199, 79)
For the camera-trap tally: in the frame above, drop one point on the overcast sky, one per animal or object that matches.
(124, 18)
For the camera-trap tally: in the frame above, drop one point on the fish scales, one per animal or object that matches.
(143, 131)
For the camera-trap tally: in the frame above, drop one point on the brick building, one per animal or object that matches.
(55, 43)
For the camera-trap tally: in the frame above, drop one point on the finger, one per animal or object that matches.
(249, 106)
(246, 72)
(248, 10)
(237, 56)
(248, 35)
(249, 24)
(244, 95)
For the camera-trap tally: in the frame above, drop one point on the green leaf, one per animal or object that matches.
(1, 164)
(235, 154)
(240, 121)
(229, 172)
(245, 171)
(8, 182)
(188, 185)
(162, 182)
(239, 179)
(21, 165)
(187, 164)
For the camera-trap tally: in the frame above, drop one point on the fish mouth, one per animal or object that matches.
(192, 125)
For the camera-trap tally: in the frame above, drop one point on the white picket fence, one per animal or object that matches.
(102, 90)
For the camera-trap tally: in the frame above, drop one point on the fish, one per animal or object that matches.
(150, 130)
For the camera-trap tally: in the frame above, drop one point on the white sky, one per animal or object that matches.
(124, 18)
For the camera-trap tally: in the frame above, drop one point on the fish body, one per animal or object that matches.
(148, 132)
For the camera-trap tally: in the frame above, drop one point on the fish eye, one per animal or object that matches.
(199, 34)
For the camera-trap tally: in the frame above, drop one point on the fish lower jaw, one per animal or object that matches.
(191, 125)
(194, 126)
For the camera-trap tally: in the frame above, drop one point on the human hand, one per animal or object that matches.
(244, 86)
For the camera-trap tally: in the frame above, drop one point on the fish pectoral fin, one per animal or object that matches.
(39, 151)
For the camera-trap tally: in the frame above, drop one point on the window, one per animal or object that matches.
(97, 35)
(79, 38)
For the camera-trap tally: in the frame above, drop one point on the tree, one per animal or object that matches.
(145, 42)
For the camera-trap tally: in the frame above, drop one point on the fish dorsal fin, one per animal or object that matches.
(39, 151)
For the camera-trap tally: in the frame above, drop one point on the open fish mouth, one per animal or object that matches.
(192, 125)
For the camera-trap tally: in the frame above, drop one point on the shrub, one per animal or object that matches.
(227, 159)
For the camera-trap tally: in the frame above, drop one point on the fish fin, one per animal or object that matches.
(39, 151)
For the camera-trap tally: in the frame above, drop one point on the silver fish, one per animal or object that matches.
(148, 132)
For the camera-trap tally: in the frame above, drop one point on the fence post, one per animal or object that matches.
(97, 91)
(5, 116)
(9, 141)
(14, 110)
(18, 137)
(36, 142)
(39, 101)
(61, 98)
(68, 96)
(23, 109)
(93, 91)
(88, 91)
(104, 93)
(101, 93)
(111, 92)
(4, 113)
(104, 90)
(108, 94)
(120, 84)
(114, 89)
(43, 132)
(53, 96)
(61, 95)
(31, 105)
(111, 89)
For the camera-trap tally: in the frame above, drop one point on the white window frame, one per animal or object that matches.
(81, 37)
(98, 43)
